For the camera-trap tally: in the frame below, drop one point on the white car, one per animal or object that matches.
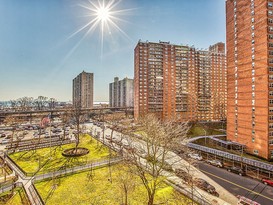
(195, 156)
(5, 141)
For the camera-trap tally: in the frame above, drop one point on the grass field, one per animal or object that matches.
(51, 159)
(101, 190)
(19, 198)
(199, 130)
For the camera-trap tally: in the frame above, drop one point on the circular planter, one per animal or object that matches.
(73, 152)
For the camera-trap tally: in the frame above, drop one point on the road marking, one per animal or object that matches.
(251, 191)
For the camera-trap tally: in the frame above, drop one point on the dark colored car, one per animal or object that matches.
(183, 175)
(267, 181)
(204, 185)
(237, 170)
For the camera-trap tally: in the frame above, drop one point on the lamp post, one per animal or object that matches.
(205, 136)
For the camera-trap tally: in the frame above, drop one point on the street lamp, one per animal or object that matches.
(205, 136)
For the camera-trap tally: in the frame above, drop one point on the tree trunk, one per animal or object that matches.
(151, 199)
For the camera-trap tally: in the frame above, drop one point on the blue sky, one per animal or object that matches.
(37, 57)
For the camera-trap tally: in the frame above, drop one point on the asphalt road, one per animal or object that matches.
(238, 185)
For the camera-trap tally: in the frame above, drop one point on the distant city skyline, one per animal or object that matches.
(38, 57)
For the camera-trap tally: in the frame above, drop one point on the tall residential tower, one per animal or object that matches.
(83, 89)
(180, 82)
(250, 75)
(121, 93)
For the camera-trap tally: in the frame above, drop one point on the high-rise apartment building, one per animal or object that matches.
(250, 75)
(180, 82)
(83, 89)
(121, 93)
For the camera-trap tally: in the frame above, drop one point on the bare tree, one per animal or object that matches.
(14, 104)
(41, 102)
(77, 118)
(126, 183)
(150, 157)
(25, 103)
(52, 103)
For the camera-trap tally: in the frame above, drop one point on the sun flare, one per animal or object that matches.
(103, 14)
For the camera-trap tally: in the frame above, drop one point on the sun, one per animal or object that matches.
(103, 14)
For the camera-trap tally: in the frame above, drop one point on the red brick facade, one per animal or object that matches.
(179, 82)
(248, 65)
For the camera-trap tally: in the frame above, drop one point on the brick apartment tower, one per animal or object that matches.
(250, 75)
(179, 82)
(83, 89)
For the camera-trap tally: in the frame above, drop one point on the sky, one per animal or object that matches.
(41, 51)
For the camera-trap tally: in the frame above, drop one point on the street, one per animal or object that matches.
(239, 185)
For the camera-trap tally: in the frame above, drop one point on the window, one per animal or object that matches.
(270, 125)
(252, 27)
(270, 20)
(270, 13)
(270, 69)
(252, 19)
(270, 93)
(271, 101)
(255, 151)
(270, 4)
(270, 36)
(271, 85)
(271, 152)
(270, 77)
(270, 117)
(252, 13)
(270, 133)
(270, 28)
(253, 41)
(270, 142)
(271, 45)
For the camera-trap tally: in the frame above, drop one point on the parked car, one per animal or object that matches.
(195, 156)
(237, 170)
(3, 135)
(215, 162)
(267, 181)
(5, 141)
(183, 175)
(204, 185)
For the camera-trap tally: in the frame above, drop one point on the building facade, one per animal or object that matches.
(83, 90)
(180, 82)
(250, 75)
(121, 93)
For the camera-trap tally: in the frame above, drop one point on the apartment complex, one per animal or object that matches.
(121, 93)
(180, 82)
(250, 75)
(83, 89)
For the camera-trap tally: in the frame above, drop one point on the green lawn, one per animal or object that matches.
(29, 160)
(199, 130)
(19, 198)
(80, 189)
